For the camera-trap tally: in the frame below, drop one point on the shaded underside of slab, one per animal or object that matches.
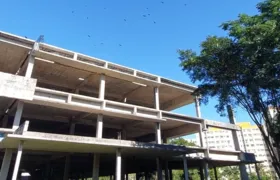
(79, 144)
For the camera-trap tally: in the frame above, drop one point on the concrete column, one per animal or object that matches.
(156, 98)
(102, 87)
(215, 173)
(95, 171)
(186, 173)
(18, 159)
(126, 176)
(257, 171)
(138, 176)
(68, 157)
(99, 126)
(170, 174)
(66, 167)
(17, 118)
(6, 164)
(118, 164)
(201, 172)
(166, 173)
(158, 133)
(242, 166)
(206, 170)
(159, 169)
(243, 172)
(30, 66)
(99, 132)
(197, 107)
(146, 175)
(47, 171)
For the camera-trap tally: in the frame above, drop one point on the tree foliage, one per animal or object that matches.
(181, 141)
(243, 69)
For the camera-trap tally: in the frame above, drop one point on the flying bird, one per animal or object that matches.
(120, 45)
(155, 22)
(144, 15)
(72, 11)
(25, 37)
(124, 19)
(162, 2)
(88, 36)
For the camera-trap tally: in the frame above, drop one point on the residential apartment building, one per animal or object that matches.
(252, 142)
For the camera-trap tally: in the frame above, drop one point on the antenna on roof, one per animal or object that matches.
(40, 39)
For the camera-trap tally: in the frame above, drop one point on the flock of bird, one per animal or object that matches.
(125, 20)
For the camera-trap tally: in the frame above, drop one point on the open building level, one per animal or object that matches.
(65, 115)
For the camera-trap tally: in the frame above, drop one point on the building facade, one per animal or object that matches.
(66, 115)
(252, 141)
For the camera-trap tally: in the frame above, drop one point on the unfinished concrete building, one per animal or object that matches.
(65, 115)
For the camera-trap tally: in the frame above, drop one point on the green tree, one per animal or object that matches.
(179, 174)
(243, 69)
(230, 172)
(181, 141)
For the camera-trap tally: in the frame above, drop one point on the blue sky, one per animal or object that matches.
(140, 34)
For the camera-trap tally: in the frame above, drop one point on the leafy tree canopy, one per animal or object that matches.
(243, 69)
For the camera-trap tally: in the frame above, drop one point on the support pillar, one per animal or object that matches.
(30, 66)
(166, 173)
(257, 171)
(68, 157)
(201, 173)
(6, 164)
(156, 98)
(159, 169)
(206, 170)
(146, 175)
(96, 156)
(66, 167)
(17, 118)
(158, 133)
(99, 126)
(18, 159)
(197, 107)
(203, 142)
(186, 173)
(118, 164)
(170, 174)
(47, 171)
(95, 171)
(102, 87)
(138, 176)
(243, 172)
(242, 167)
(215, 173)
